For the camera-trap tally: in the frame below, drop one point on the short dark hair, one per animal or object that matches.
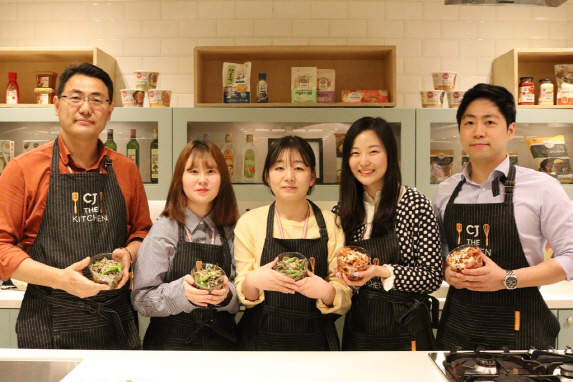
(351, 204)
(225, 211)
(289, 142)
(85, 69)
(497, 94)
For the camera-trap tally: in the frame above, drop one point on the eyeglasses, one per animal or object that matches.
(94, 101)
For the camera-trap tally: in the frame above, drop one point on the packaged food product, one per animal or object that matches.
(440, 165)
(159, 98)
(432, 99)
(46, 79)
(44, 96)
(550, 155)
(444, 80)
(326, 85)
(262, 89)
(455, 98)
(365, 96)
(339, 143)
(132, 97)
(236, 82)
(564, 77)
(30, 144)
(465, 257)
(12, 89)
(6, 153)
(303, 84)
(513, 159)
(546, 92)
(145, 80)
(526, 91)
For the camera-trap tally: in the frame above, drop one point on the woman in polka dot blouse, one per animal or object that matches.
(391, 308)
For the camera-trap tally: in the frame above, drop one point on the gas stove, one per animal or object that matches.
(500, 366)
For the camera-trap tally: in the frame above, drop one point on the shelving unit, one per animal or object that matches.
(357, 68)
(27, 61)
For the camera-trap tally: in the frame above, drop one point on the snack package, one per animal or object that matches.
(236, 82)
(303, 84)
(440, 165)
(513, 159)
(326, 85)
(29, 144)
(365, 96)
(550, 155)
(339, 141)
(6, 153)
(564, 77)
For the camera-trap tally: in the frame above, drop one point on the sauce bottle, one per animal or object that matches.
(526, 91)
(262, 96)
(545, 92)
(249, 160)
(12, 91)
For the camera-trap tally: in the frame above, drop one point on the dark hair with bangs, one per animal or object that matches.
(351, 204)
(499, 95)
(89, 70)
(289, 142)
(225, 210)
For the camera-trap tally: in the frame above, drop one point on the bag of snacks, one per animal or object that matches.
(550, 155)
(440, 165)
(303, 84)
(236, 82)
(564, 77)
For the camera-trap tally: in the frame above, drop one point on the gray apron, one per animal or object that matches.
(290, 321)
(85, 214)
(489, 319)
(388, 320)
(202, 328)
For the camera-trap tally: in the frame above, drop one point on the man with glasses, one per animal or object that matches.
(61, 204)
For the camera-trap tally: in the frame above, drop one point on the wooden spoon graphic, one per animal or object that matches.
(101, 202)
(459, 229)
(376, 261)
(312, 262)
(486, 231)
(75, 198)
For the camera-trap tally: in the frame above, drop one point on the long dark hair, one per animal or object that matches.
(225, 211)
(351, 205)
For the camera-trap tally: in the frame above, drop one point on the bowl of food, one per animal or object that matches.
(105, 270)
(465, 256)
(208, 276)
(352, 259)
(292, 264)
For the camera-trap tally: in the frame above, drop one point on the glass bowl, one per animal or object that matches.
(112, 278)
(350, 259)
(465, 256)
(210, 277)
(292, 264)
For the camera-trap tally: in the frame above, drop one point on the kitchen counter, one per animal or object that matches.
(557, 296)
(167, 366)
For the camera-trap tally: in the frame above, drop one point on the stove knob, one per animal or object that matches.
(570, 320)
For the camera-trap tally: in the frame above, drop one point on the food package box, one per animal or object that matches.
(236, 82)
(365, 96)
(551, 157)
(7, 153)
(564, 77)
(303, 84)
(325, 85)
(440, 165)
(30, 144)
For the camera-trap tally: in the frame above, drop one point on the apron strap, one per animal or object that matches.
(456, 191)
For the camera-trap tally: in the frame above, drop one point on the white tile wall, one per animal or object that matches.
(161, 34)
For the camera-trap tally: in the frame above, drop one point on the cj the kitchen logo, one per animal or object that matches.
(88, 207)
(471, 235)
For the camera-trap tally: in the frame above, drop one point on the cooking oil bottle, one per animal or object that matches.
(249, 160)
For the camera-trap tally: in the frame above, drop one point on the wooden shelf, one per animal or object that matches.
(530, 62)
(23, 105)
(27, 61)
(357, 68)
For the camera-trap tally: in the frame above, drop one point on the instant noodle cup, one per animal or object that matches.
(455, 98)
(209, 277)
(132, 97)
(159, 98)
(145, 80)
(350, 259)
(432, 99)
(465, 256)
(292, 264)
(444, 80)
(105, 270)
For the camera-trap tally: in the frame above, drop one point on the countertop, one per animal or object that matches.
(168, 366)
(557, 296)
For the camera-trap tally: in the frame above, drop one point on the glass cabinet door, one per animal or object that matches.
(438, 137)
(324, 128)
(30, 127)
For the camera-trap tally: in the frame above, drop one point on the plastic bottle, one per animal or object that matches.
(110, 143)
(545, 92)
(249, 160)
(12, 91)
(526, 91)
(228, 150)
(133, 147)
(262, 96)
(154, 156)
